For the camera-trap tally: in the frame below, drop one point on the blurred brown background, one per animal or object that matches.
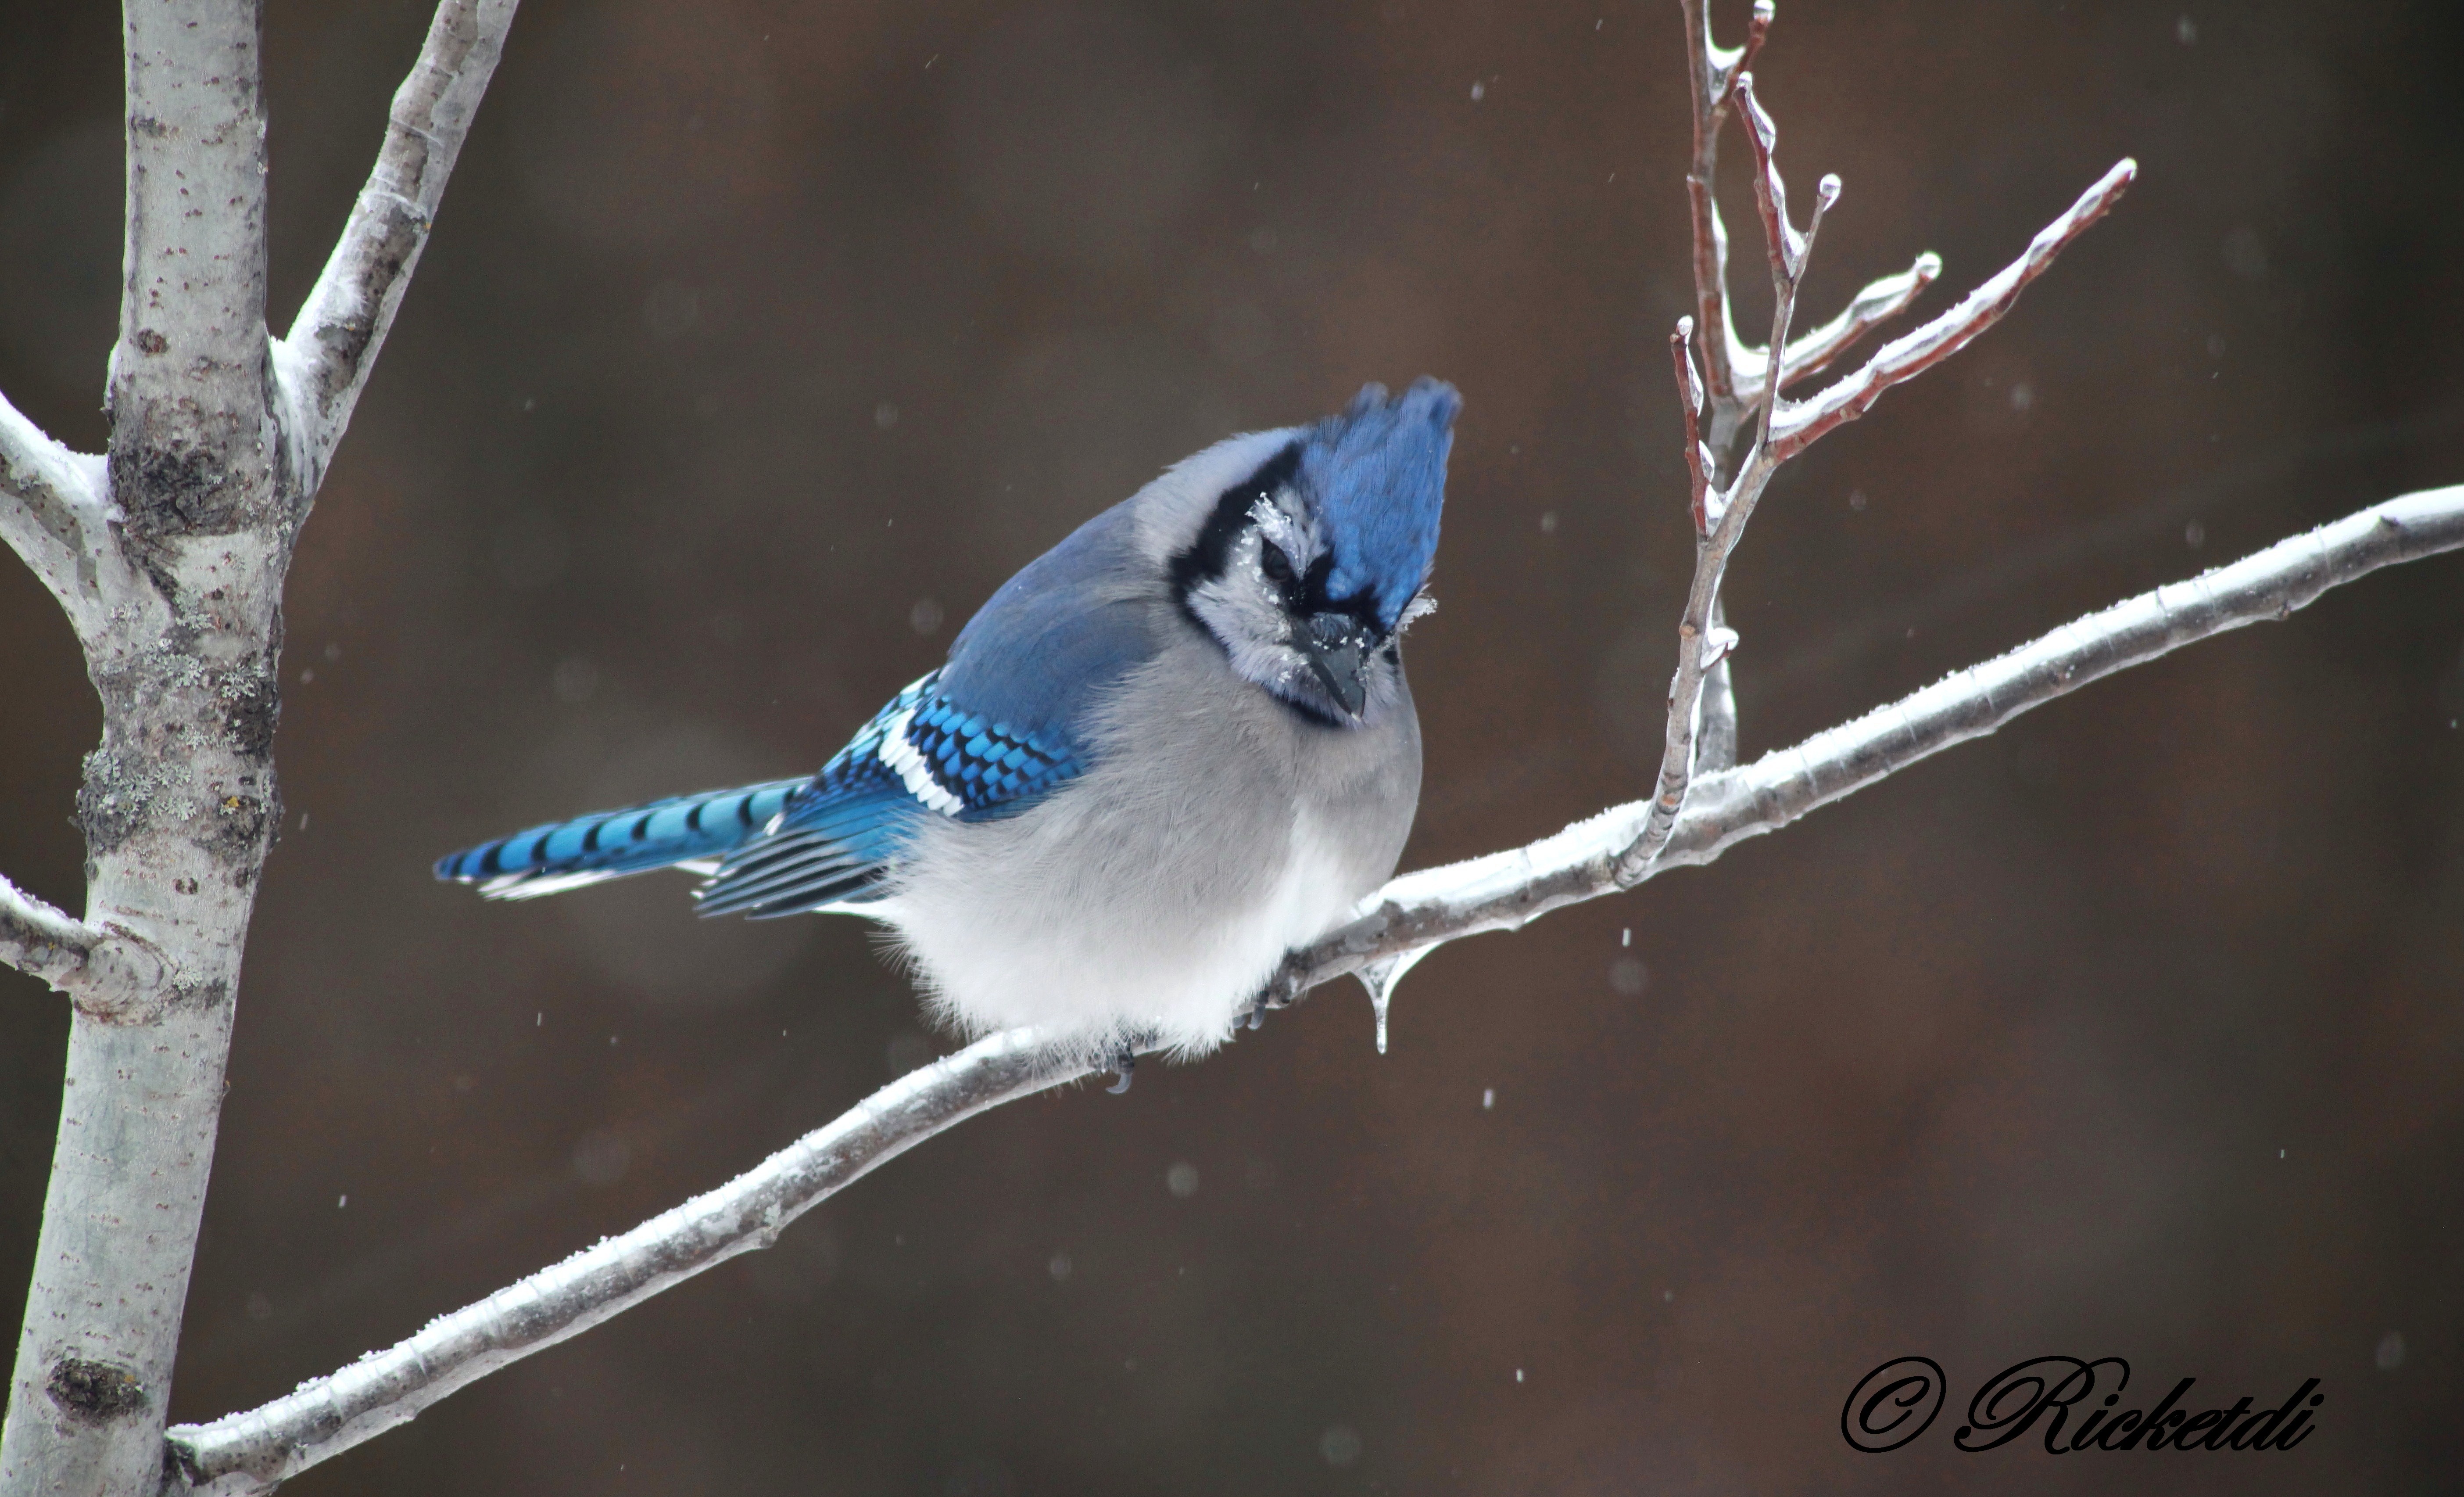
(758, 342)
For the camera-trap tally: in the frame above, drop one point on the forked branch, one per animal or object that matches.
(1702, 707)
(1734, 371)
(168, 555)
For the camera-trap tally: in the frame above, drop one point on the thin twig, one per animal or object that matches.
(1800, 424)
(1786, 428)
(1736, 376)
(1734, 370)
(1879, 302)
(324, 362)
(1713, 70)
(250, 1452)
(1700, 461)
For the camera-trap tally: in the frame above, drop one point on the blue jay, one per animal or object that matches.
(1173, 748)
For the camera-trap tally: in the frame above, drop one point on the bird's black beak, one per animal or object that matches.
(1338, 648)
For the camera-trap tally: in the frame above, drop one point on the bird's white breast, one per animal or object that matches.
(1099, 960)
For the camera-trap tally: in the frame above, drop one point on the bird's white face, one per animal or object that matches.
(1265, 604)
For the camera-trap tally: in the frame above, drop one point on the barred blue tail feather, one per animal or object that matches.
(792, 845)
(561, 855)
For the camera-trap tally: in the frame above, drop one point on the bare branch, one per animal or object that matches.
(1732, 368)
(1703, 642)
(1801, 424)
(41, 941)
(1506, 890)
(250, 1452)
(1878, 303)
(324, 362)
(1713, 71)
(52, 513)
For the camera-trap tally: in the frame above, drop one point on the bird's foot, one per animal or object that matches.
(1125, 1064)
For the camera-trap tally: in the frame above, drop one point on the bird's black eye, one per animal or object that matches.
(1277, 565)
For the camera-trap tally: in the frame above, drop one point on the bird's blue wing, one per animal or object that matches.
(999, 728)
(923, 755)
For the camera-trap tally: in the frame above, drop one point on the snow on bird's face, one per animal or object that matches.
(1266, 596)
(1308, 570)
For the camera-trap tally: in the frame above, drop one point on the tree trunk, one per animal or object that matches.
(178, 804)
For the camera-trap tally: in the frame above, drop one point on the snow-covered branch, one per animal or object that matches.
(52, 513)
(333, 345)
(245, 1453)
(1505, 890)
(250, 1452)
(41, 941)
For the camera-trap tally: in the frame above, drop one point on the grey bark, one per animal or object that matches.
(168, 552)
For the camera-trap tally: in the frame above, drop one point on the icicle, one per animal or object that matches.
(1379, 978)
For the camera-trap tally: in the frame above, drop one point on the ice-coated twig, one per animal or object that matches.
(1715, 741)
(324, 362)
(1713, 71)
(249, 1452)
(1703, 643)
(1701, 703)
(1734, 371)
(1799, 424)
(1701, 462)
(1736, 376)
(1878, 303)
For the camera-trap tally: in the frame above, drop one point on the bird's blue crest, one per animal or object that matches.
(1378, 474)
